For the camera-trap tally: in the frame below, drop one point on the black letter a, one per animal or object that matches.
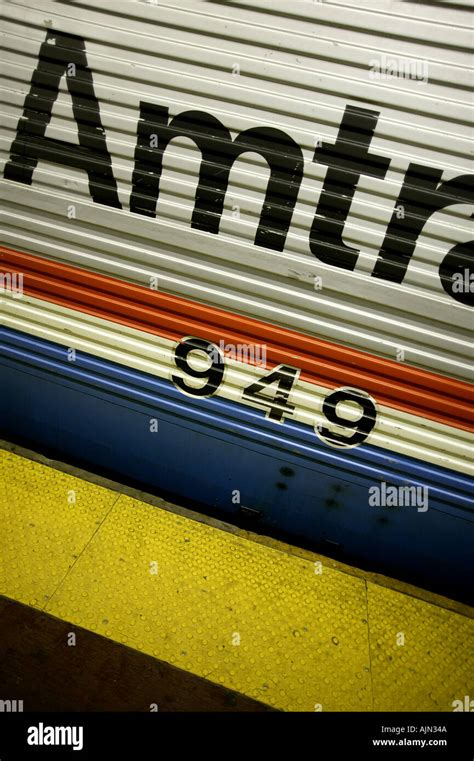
(63, 53)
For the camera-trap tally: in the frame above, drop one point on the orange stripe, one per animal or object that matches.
(394, 384)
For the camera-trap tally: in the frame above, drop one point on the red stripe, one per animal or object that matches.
(394, 384)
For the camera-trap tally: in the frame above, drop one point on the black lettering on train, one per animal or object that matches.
(422, 194)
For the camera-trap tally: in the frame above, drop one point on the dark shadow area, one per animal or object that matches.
(40, 667)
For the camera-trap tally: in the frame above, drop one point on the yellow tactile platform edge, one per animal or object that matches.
(289, 631)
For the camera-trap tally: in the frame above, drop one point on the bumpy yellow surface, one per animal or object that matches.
(290, 631)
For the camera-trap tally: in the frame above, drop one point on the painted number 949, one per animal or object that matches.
(345, 431)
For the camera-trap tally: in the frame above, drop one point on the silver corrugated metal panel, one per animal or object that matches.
(290, 66)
